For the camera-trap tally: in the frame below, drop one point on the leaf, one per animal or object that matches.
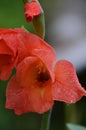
(75, 127)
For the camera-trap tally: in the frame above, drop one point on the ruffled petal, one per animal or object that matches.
(27, 92)
(7, 67)
(7, 59)
(10, 39)
(67, 87)
(32, 42)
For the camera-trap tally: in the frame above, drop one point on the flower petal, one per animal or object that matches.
(9, 39)
(25, 93)
(7, 58)
(67, 87)
(31, 44)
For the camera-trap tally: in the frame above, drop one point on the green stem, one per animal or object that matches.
(71, 113)
(25, 1)
(45, 124)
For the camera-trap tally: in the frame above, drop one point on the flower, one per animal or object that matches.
(39, 79)
(32, 9)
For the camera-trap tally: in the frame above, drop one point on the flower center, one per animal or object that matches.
(42, 77)
(43, 74)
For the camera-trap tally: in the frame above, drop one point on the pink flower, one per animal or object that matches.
(39, 79)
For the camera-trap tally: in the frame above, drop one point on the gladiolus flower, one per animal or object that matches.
(39, 79)
(32, 9)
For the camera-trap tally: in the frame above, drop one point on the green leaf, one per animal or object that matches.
(75, 127)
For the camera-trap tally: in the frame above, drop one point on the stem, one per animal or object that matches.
(25, 1)
(71, 113)
(45, 124)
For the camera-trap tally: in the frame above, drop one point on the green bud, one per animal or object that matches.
(39, 25)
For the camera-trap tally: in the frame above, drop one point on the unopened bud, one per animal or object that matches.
(34, 13)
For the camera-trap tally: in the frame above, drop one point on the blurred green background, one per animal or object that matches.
(12, 16)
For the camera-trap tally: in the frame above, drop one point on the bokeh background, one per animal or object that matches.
(66, 32)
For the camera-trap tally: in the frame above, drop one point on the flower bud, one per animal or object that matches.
(34, 13)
